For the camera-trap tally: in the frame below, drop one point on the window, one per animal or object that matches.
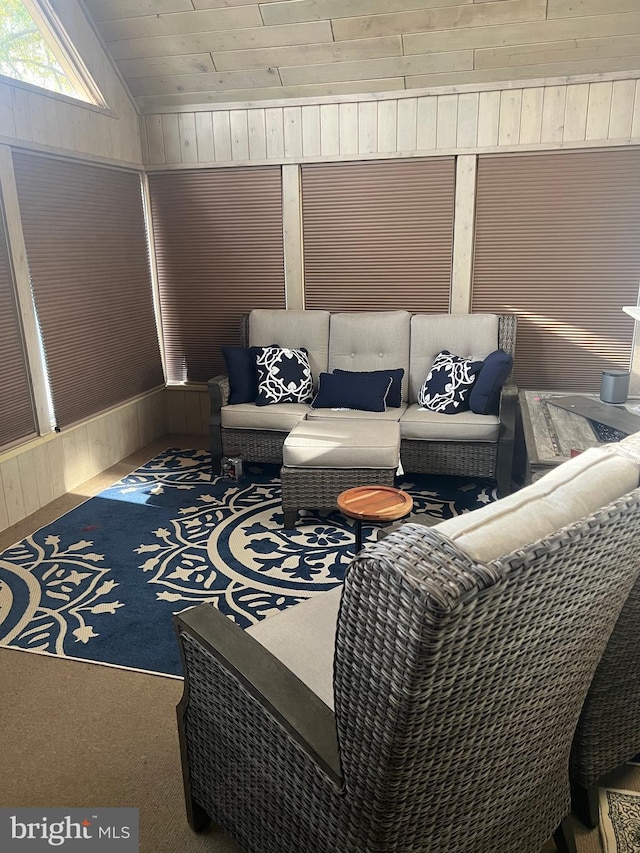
(219, 253)
(86, 243)
(35, 49)
(17, 419)
(368, 224)
(557, 243)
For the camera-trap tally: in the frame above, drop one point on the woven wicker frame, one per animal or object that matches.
(454, 704)
(608, 732)
(459, 458)
(318, 488)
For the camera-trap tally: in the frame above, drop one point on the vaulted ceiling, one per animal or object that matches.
(183, 53)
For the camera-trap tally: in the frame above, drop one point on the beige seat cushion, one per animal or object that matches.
(356, 414)
(303, 638)
(278, 417)
(342, 444)
(425, 425)
(567, 493)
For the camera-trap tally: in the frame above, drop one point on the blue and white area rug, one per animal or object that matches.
(102, 582)
(620, 820)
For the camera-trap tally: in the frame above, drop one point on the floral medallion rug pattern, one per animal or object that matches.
(102, 582)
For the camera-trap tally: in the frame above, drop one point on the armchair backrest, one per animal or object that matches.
(458, 683)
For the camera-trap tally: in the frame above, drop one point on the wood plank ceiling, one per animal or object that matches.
(178, 54)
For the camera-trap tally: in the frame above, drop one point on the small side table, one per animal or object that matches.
(377, 504)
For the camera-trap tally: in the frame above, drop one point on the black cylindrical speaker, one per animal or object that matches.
(614, 387)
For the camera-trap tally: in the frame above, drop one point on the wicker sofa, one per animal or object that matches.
(464, 444)
(430, 706)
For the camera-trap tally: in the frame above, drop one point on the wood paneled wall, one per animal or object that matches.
(187, 410)
(553, 114)
(38, 472)
(51, 122)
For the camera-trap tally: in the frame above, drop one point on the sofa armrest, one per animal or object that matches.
(219, 393)
(506, 439)
(287, 703)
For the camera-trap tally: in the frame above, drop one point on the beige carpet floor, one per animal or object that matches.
(77, 734)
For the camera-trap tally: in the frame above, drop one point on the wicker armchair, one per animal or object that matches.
(455, 705)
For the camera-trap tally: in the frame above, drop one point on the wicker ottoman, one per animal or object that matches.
(323, 458)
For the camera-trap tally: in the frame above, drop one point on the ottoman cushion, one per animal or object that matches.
(355, 444)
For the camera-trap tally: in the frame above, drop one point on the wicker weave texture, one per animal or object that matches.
(254, 445)
(455, 703)
(456, 458)
(318, 488)
(608, 733)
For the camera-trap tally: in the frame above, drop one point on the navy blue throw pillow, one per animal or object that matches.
(284, 375)
(364, 391)
(448, 386)
(243, 379)
(394, 397)
(485, 394)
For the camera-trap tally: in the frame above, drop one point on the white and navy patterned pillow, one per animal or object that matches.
(448, 385)
(284, 375)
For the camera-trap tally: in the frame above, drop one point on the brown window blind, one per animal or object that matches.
(378, 235)
(17, 419)
(86, 243)
(558, 242)
(220, 253)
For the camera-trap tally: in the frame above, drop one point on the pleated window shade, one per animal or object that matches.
(86, 243)
(219, 253)
(557, 242)
(378, 235)
(17, 419)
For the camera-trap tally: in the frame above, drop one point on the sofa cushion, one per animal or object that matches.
(303, 638)
(425, 425)
(448, 384)
(394, 397)
(284, 375)
(469, 335)
(567, 493)
(343, 444)
(370, 340)
(366, 392)
(356, 414)
(484, 398)
(293, 329)
(280, 417)
(243, 379)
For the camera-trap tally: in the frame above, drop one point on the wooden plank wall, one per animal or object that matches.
(187, 410)
(55, 123)
(36, 473)
(550, 115)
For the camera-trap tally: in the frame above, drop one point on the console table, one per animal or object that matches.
(551, 433)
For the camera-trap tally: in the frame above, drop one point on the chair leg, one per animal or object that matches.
(585, 806)
(290, 516)
(196, 816)
(215, 447)
(563, 838)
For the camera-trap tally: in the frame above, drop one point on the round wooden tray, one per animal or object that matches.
(375, 503)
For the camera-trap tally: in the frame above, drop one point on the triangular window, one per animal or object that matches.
(35, 49)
